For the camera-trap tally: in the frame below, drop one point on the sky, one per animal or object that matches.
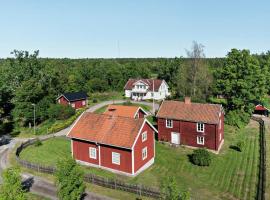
(133, 28)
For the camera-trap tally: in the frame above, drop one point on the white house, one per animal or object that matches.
(142, 89)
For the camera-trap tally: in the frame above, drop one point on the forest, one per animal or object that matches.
(240, 78)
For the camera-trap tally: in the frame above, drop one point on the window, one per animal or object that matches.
(144, 153)
(169, 123)
(83, 103)
(116, 158)
(73, 105)
(92, 152)
(200, 127)
(144, 136)
(59, 101)
(200, 140)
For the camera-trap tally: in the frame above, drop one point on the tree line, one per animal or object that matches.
(25, 79)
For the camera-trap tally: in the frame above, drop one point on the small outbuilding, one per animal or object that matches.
(261, 110)
(75, 99)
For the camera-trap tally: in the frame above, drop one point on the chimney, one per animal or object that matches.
(187, 100)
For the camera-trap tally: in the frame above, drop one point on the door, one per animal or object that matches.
(175, 138)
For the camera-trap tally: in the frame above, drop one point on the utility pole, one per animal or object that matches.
(34, 118)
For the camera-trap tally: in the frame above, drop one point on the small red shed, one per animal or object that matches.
(261, 110)
(75, 99)
(122, 145)
(191, 124)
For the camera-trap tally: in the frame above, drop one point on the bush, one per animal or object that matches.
(95, 100)
(201, 157)
(38, 143)
(237, 118)
(59, 111)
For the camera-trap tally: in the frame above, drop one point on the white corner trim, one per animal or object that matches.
(71, 144)
(145, 166)
(139, 133)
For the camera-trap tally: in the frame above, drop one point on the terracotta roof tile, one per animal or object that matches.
(197, 112)
(107, 129)
(122, 110)
(157, 83)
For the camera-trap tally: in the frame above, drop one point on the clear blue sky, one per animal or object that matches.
(142, 28)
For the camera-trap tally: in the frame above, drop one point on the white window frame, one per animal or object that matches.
(144, 136)
(144, 153)
(93, 152)
(200, 127)
(116, 158)
(171, 126)
(199, 141)
(73, 105)
(83, 103)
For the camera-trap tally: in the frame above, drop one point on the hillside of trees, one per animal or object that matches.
(27, 79)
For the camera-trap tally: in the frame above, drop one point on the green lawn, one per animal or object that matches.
(267, 138)
(232, 175)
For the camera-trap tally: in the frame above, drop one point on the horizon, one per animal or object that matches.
(125, 29)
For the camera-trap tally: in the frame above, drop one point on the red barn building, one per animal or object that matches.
(119, 144)
(191, 124)
(75, 99)
(126, 111)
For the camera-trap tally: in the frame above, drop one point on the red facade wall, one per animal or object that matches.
(62, 101)
(138, 147)
(77, 104)
(188, 133)
(125, 159)
(81, 152)
(141, 114)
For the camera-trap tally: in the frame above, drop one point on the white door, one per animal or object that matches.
(175, 138)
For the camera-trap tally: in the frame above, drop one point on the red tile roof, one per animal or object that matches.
(196, 112)
(107, 129)
(122, 110)
(157, 83)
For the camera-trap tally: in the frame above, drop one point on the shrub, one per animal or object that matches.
(58, 111)
(237, 118)
(201, 157)
(69, 180)
(95, 101)
(169, 189)
(38, 143)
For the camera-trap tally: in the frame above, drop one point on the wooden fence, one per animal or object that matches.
(262, 162)
(140, 190)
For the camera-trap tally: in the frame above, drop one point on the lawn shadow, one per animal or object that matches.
(234, 148)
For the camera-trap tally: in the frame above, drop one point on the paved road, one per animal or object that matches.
(40, 185)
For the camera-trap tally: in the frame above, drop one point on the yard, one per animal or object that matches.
(231, 175)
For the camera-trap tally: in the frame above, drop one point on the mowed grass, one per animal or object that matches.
(267, 138)
(49, 152)
(232, 174)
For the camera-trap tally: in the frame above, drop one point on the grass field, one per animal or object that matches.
(267, 138)
(232, 175)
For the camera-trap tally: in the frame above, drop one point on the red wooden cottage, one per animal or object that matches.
(126, 111)
(261, 110)
(191, 124)
(74, 99)
(119, 144)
